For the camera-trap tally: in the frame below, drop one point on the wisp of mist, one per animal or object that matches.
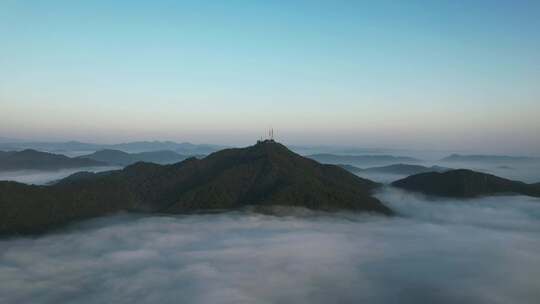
(37, 177)
(435, 251)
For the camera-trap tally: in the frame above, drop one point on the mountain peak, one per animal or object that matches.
(271, 146)
(262, 175)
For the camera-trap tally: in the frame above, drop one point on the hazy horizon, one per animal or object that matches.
(307, 147)
(411, 75)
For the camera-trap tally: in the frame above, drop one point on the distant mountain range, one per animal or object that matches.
(403, 169)
(139, 146)
(120, 158)
(36, 160)
(489, 158)
(361, 159)
(464, 183)
(263, 175)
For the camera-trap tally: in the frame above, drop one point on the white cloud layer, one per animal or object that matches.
(445, 251)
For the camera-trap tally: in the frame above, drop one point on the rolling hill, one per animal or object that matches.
(363, 160)
(117, 157)
(36, 160)
(464, 183)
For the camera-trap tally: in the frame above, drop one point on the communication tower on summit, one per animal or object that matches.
(269, 137)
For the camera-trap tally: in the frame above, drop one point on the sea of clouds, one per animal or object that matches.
(436, 251)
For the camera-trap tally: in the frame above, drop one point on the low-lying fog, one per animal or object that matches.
(37, 177)
(446, 251)
(529, 173)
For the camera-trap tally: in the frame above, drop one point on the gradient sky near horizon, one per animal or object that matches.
(461, 75)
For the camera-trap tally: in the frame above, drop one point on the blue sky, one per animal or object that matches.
(402, 74)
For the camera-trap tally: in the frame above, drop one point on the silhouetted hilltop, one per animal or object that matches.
(36, 160)
(404, 169)
(182, 148)
(117, 157)
(464, 183)
(113, 157)
(163, 157)
(261, 175)
(536, 189)
(361, 159)
(80, 176)
(489, 158)
(350, 168)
